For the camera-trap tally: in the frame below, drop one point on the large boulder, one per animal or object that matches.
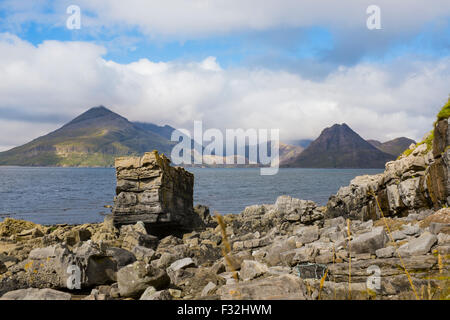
(50, 267)
(420, 245)
(152, 191)
(369, 242)
(135, 278)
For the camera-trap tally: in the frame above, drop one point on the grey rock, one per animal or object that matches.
(208, 289)
(121, 256)
(135, 278)
(48, 267)
(435, 227)
(443, 238)
(411, 230)
(143, 254)
(159, 295)
(369, 242)
(36, 294)
(148, 294)
(271, 288)
(307, 234)
(182, 264)
(398, 235)
(252, 269)
(387, 252)
(420, 245)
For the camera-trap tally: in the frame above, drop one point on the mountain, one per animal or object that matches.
(165, 131)
(340, 147)
(94, 138)
(289, 152)
(394, 147)
(304, 143)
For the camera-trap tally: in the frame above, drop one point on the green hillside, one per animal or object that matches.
(94, 138)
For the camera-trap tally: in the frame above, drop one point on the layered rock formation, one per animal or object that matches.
(152, 191)
(417, 181)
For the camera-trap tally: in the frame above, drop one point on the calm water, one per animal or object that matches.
(79, 195)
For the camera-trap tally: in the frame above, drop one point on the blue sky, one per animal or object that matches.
(225, 61)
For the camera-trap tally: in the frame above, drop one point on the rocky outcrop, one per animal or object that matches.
(416, 182)
(286, 260)
(152, 191)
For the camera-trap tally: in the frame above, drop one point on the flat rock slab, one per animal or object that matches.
(272, 288)
(36, 294)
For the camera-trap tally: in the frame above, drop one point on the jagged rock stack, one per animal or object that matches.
(417, 181)
(152, 191)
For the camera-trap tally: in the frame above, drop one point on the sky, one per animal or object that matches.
(298, 66)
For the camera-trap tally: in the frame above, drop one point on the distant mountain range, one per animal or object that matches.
(394, 147)
(340, 147)
(98, 136)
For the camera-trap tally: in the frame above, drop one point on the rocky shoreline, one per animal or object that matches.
(382, 237)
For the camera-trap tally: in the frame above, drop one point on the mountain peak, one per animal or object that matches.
(95, 113)
(340, 147)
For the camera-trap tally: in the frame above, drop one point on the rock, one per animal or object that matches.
(159, 295)
(151, 191)
(387, 252)
(272, 288)
(398, 235)
(324, 258)
(175, 293)
(420, 245)
(143, 254)
(48, 267)
(299, 210)
(436, 228)
(304, 255)
(36, 294)
(148, 294)
(272, 257)
(252, 269)
(135, 278)
(369, 242)
(121, 256)
(307, 234)
(135, 238)
(411, 230)
(182, 264)
(208, 289)
(9, 227)
(96, 295)
(204, 214)
(3, 267)
(443, 238)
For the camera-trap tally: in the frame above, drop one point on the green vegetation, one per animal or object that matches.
(445, 111)
(428, 140)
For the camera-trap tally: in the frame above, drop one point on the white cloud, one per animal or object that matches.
(63, 79)
(206, 17)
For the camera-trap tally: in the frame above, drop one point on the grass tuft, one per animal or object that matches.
(445, 111)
